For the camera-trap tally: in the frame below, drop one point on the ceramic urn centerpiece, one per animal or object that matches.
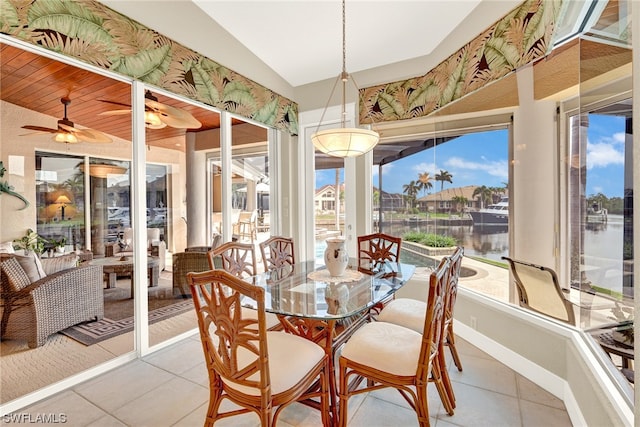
(336, 257)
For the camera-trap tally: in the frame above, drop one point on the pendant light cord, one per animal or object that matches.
(344, 40)
(344, 77)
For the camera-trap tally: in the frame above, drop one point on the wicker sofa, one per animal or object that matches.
(34, 310)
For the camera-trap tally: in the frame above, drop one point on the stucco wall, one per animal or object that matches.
(15, 222)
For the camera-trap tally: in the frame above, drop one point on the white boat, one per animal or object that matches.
(495, 214)
(596, 214)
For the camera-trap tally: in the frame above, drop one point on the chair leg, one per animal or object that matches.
(446, 381)
(451, 343)
(436, 377)
(422, 406)
(344, 395)
(324, 399)
(214, 405)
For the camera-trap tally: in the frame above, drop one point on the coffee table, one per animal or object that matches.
(115, 266)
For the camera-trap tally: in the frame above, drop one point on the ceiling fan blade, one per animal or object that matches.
(67, 127)
(114, 113)
(92, 135)
(174, 117)
(87, 135)
(116, 103)
(40, 128)
(67, 133)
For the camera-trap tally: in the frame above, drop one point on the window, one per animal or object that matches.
(601, 208)
(452, 192)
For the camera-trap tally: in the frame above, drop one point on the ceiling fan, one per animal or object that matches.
(158, 115)
(67, 132)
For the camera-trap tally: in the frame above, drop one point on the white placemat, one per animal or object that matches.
(324, 276)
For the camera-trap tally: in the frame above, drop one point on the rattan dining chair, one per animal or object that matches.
(389, 355)
(277, 251)
(236, 258)
(539, 290)
(247, 364)
(374, 250)
(239, 259)
(452, 295)
(410, 313)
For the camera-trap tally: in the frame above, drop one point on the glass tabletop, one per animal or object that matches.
(307, 290)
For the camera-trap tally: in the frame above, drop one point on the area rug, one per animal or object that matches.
(93, 332)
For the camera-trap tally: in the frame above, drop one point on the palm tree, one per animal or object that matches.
(376, 198)
(411, 189)
(484, 193)
(460, 202)
(424, 182)
(442, 177)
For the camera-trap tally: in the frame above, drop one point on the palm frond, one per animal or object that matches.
(147, 65)
(69, 18)
(9, 18)
(499, 54)
(76, 48)
(238, 93)
(268, 112)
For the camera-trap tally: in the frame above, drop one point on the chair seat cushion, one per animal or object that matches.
(405, 312)
(385, 347)
(290, 359)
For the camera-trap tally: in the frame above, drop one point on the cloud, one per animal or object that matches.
(497, 168)
(605, 153)
(423, 167)
(386, 169)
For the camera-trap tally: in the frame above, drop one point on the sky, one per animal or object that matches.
(478, 159)
(605, 155)
(482, 159)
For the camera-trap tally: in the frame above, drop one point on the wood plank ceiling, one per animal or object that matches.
(38, 83)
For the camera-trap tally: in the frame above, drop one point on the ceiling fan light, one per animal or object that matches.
(152, 120)
(345, 142)
(67, 137)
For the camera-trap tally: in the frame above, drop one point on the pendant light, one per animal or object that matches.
(343, 141)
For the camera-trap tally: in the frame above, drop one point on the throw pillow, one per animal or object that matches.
(64, 262)
(31, 265)
(16, 277)
(6, 248)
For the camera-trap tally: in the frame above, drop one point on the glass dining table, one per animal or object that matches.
(325, 309)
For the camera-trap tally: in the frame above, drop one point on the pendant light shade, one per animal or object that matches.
(343, 141)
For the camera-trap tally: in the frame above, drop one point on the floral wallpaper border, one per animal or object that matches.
(93, 33)
(519, 38)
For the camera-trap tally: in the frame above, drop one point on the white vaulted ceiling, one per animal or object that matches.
(301, 40)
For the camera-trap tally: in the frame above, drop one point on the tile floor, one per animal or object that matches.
(170, 388)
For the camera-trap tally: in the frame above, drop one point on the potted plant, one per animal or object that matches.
(58, 244)
(30, 242)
